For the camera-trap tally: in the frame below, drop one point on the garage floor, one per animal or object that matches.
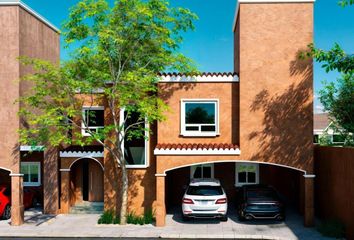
(85, 225)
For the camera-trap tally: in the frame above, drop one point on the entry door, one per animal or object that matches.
(95, 182)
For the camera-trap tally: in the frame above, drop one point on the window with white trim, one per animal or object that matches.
(247, 173)
(202, 171)
(135, 147)
(93, 119)
(199, 117)
(31, 173)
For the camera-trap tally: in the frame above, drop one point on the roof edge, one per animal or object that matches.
(264, 1)
(29, 10)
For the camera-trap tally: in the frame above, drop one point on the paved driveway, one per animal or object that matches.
(85, 225)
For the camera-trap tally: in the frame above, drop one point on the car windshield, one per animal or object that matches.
(261, 194)
(205, 190)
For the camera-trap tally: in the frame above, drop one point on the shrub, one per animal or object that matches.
(108, 218)
(332, 228)
(147, 218)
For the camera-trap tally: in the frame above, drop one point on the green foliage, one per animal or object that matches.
(117, 53)
(147, 218)
(338, 99)
(332, 228)
(324, 140)
(345, 3)
(108, 217)
(335, 59)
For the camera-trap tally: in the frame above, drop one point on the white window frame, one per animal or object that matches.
(83, 127)
(237, 167)
(32, 184)
(199, 133)
(147, 141)
(194, 167)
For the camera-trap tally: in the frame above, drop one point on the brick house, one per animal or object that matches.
(256, 126)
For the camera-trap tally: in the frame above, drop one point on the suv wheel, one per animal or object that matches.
(7, 212)
(224, 218)
(184, 218)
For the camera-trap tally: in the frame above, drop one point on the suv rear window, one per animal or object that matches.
(205, 190)
(261, 194)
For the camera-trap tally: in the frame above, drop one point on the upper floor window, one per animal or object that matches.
(31, 173)
(199, 117)
(135, 146)
(93, 119)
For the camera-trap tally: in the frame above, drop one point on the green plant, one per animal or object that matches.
(332, 228)
(108, 218)
(149, 216)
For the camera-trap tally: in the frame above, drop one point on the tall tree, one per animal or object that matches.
(118, 51)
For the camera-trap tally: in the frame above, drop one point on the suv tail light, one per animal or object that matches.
(221, 201)
(187, 201)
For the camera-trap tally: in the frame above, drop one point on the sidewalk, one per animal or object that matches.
(85, 225)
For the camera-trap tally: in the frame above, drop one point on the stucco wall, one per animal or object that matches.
(9, 87)
(276, 87)
(334, 185)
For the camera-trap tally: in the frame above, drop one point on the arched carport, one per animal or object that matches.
(295, 184)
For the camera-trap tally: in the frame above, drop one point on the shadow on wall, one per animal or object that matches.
(166, 90)
(286, 137)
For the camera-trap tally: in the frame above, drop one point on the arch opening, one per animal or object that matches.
(86, 186)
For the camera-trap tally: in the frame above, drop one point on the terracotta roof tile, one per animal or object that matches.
(199, 74)
(196, 146)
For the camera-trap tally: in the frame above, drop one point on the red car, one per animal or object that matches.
(29, 200)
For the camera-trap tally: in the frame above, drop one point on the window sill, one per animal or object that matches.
(136, 166)
(199, 134)
(31, 184)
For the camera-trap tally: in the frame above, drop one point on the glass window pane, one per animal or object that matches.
(95, 118)
(197, 172)
(192, 128)
(208, 128)
(338, 138)
(242, 177)
(134, 142)
(251, 177)
(206, 172)
(198, 113)
(34, 173)
(24, 170)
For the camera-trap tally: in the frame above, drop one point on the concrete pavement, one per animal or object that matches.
(85, 225)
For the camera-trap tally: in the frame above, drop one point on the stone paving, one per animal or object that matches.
(85, 225)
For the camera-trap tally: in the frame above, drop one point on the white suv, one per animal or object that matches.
(204, 198)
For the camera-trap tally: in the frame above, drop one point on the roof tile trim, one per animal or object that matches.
(199, 77)
(196, 146)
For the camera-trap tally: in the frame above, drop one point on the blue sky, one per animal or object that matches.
(211, 44)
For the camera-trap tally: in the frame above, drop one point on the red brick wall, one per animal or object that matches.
(334, 185)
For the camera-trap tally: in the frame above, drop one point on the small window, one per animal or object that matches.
(93, 119)
(199, 118)
(337, 138)
(202, 171)
(31, 173)
(135, 150)
(315, 138)
(247, 173)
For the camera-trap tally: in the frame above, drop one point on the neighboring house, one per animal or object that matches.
(254, 125)
(323, 127)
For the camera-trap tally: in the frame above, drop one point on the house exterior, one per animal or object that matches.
(324, 127)
(253, 125)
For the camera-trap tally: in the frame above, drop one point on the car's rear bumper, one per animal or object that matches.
(263, 215)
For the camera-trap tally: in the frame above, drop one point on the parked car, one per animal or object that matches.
(259, 202)
(204, 198)
(29, 200)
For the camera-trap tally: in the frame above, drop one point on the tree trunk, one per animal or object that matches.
(124, 195)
